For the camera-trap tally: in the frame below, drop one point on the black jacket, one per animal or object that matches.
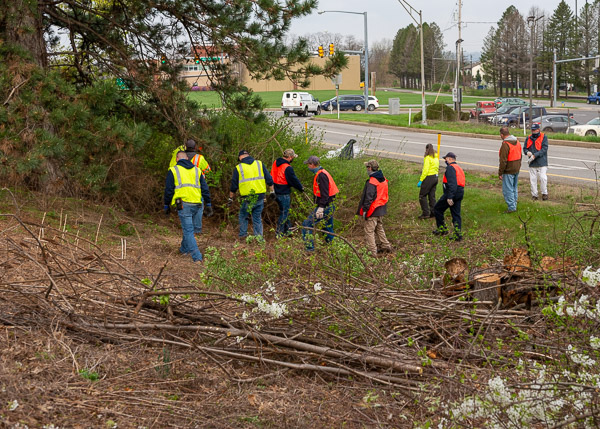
(451, 189)
(323, 183)
(369, 195)
(290, 176)
(170, 184)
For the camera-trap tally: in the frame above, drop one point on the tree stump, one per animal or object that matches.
(487, 287)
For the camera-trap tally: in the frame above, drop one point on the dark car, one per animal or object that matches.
(554, 123)
(515, 118)
(492, 117)
(347, 102)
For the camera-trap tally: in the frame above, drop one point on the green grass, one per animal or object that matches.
(273, 98)
(488, 230)
(474, 128)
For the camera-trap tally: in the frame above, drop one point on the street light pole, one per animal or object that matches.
(406, 7)
(531, 20)
(366, 54)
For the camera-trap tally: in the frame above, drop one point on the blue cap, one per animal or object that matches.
(535, 127)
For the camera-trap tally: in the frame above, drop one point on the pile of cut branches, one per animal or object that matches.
(364, 329)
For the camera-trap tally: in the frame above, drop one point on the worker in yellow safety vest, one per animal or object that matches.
(251, 178)
(186, 188)
(190, 150)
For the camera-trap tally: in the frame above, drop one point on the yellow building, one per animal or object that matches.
(196, 74)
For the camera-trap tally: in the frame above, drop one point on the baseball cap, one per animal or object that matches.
(535, 127)
(190, 144)
(373, 164)
(243, 152)
(450, 155)
(314, 160)
(289, 153)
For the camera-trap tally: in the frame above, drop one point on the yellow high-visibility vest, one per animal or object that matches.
(251, 178)
(187, 184)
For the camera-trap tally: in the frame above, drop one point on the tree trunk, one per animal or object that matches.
(21, 24)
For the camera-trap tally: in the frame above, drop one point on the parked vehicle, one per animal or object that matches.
(515, 118)
(554, 123)
(594, 98)
(492, 118)
(300, 103)
(483, 107)
(504, 101)
(347, 102)
(373, 103)
(592, 128)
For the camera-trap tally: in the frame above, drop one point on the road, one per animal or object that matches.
(570, 165)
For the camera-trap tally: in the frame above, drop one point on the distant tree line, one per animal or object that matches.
(507, 47)
(507, 51)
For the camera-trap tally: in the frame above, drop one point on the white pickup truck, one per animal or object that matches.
(300, 103)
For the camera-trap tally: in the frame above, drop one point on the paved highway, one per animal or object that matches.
(566, 164)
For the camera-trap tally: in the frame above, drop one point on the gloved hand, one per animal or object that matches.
(208, 211)
(229, 201)
(450, 202)
(319, 213)
(272, 196)
(167, 209)
(419, 184)
(529, 154)
(529, 160)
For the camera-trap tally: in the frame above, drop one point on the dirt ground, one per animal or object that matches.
(54, 377)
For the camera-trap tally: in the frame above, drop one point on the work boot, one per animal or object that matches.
(440, 232)
(534, 198)
(545, 197)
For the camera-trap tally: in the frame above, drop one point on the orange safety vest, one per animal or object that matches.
(538, 141)
(278, 173)
(460, 175)
(382, 195)
(514, 151)
(333, 189)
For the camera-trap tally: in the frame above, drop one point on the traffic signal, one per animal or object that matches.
(331, 49)
(197, 59)
(320, 50)
(163, 59)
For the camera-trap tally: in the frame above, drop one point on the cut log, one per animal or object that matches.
(486, 287)
(519, 260)
(456, 271)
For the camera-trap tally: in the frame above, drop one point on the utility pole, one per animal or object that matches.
(458, 55)
(531, 20)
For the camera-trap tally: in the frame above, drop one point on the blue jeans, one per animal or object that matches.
(325, 224)
(190, 216)
(256, 210)
(283, 223)
(510, 190)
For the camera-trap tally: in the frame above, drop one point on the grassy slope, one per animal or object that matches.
(295, 398)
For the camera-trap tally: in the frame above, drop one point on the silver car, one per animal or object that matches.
(554, 123)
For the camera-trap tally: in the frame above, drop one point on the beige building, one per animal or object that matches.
(196, 74)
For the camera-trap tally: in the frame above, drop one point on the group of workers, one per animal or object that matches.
(186, 188)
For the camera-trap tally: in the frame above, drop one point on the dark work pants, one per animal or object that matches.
(441, 206)
(427, 195)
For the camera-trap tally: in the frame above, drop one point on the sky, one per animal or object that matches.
(386, 17)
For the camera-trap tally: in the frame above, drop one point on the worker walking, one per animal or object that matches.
(251, 178)
(508, 170)
(428, 181)
(373, 207)
(186, 188)
(285, 179)
(197, 159)
(324, 190)
(454, 191)
(536, 149)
